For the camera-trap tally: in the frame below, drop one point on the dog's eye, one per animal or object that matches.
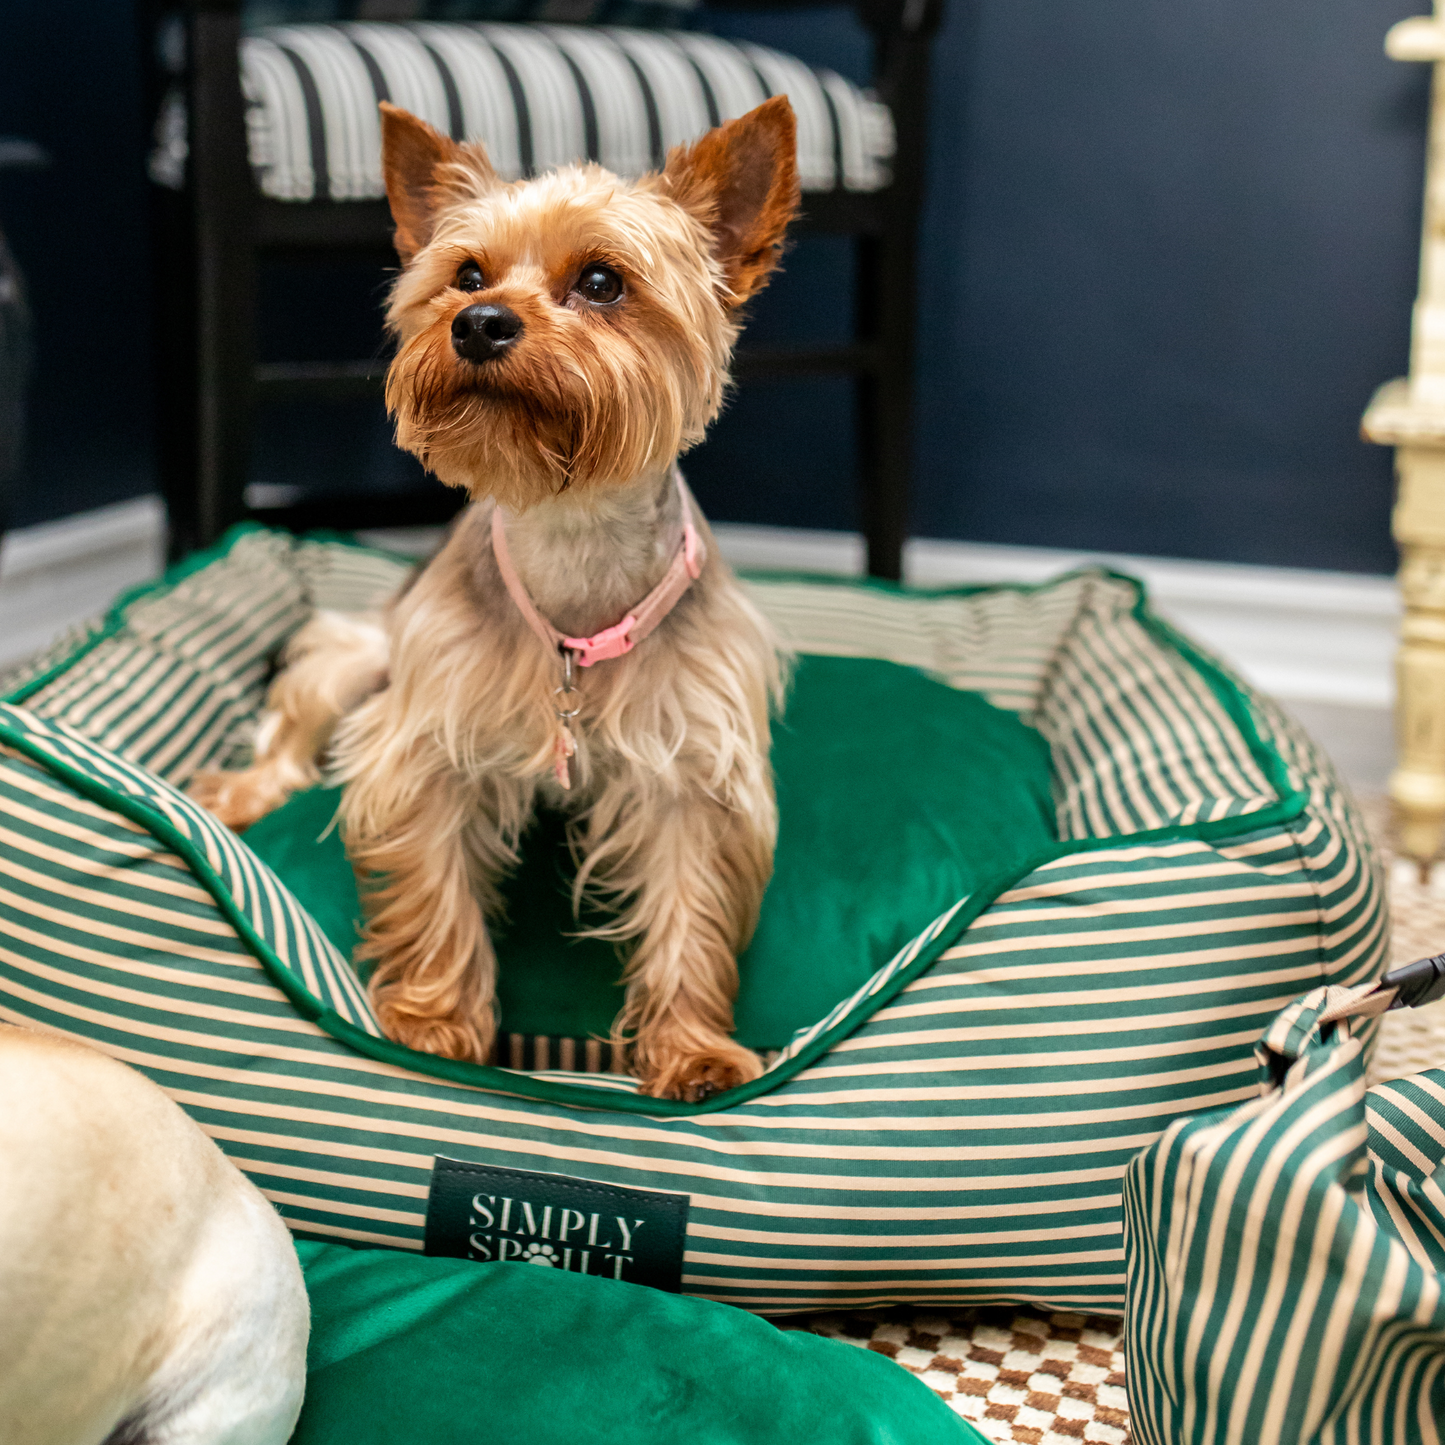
(599, 284)
(470, 277)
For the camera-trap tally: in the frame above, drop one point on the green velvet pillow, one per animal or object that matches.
(897, 795)
(407, 1350)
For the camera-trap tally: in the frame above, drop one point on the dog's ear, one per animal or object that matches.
(424, 170)
(742, 180)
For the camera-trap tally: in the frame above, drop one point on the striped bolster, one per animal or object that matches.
(1285, 1259)
(539, 96)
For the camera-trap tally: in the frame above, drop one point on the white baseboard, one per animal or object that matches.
(1325, 637)
(63, 572)
(1292, 632)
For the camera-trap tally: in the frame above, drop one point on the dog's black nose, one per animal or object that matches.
(484, 332)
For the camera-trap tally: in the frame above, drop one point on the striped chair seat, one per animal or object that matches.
(540, 96)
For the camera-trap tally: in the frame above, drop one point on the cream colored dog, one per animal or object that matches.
(149, 1295)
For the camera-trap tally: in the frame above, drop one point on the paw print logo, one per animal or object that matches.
(539, 1254)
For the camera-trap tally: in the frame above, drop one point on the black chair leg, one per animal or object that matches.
(207, 293)
(177, 443)
(887, 290)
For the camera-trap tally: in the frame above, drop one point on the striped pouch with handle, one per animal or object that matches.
(1286, 1258)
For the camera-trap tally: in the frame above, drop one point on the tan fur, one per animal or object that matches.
(148, 1293)
(593, 397)
(573, 434)
(331, 665)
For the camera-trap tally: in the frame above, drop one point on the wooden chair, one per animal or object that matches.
(212, 224)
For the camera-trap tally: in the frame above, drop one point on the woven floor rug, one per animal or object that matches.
(1058, 1379)
(1017, 1375)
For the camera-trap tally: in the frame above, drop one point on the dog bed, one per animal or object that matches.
(1009, 985)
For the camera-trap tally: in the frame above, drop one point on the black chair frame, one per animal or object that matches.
(210, 234)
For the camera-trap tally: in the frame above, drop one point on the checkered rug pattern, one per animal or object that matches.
(1040, 1379)
(1058, 1379)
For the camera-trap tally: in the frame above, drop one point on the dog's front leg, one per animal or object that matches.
(428, 865)
(692, 871)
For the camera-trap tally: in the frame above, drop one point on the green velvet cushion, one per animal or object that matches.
(432, 1351)
(897, 796)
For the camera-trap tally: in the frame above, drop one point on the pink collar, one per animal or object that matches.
(641, 620)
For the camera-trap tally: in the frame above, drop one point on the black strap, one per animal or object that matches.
(315, 124)
(714, 115)
(519, 104)
(837, 124)
(454, 99)
(649, 103)
(379, 87)
(591, 137)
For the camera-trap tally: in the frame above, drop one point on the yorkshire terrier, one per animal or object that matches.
(578, 640)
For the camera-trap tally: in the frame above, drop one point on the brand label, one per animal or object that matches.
(484, 1212)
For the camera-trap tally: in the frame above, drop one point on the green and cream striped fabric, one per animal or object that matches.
(173, 676)
(957, 1131)
(1286, 1258)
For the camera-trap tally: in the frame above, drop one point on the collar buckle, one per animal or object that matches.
(602, 646)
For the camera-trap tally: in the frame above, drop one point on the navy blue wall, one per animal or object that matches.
(69, 79)
(1169, 252)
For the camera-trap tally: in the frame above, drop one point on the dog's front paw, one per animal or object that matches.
(694, 1076)
(237, 799)
(448, 1038)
